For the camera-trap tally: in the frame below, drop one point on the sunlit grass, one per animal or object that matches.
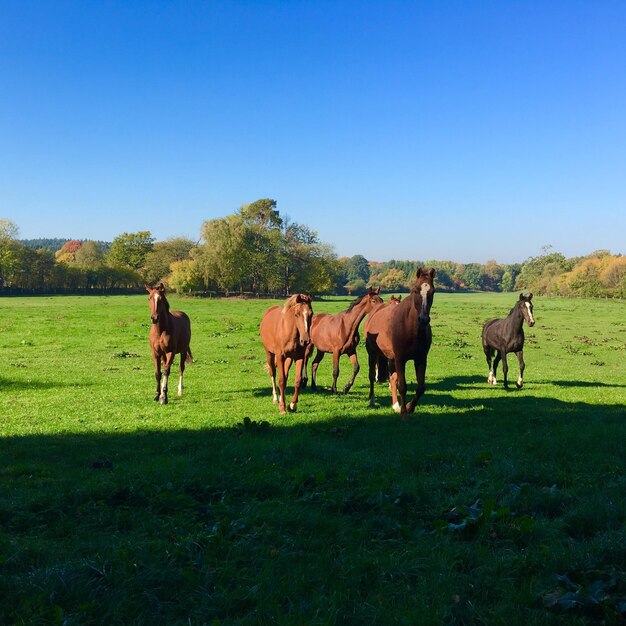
(114, 509)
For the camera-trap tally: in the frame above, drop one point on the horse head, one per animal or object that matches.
(526, 307)
(158, 302)
(300, 306)
(422, 293)
(373, 297)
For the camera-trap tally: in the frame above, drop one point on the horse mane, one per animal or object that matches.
(354, 303)
(297, 298)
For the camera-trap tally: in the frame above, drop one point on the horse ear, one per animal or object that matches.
(161, 287)
(148, 288)
(521, 296)
(432, 272)
(420, 271)
(530, 297)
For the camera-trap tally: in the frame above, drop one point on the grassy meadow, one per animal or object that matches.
(487, 507)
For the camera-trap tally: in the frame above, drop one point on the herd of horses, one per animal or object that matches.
(395, 332)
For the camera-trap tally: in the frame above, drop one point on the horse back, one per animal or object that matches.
(501, 335)
(377, 329)
(330, 333)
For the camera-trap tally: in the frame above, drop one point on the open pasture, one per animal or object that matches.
(487, 507)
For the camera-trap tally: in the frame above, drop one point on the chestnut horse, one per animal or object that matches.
(339, 334)
(382, 369)
(170, 335)
(285, 335)
(402, 333)
(507, 335)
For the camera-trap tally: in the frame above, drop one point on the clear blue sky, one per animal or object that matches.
(411, 130)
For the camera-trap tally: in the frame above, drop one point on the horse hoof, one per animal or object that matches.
(372, 404)
(396, 408)
(293, 407)
(303, 383)
(346, 389)
(157, 397)
(162, 400)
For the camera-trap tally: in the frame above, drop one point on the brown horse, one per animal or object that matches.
(382, 368)
(402, 333)
(339, 334)
(170, 335)
(285, 335)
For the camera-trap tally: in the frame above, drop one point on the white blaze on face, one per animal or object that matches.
(305, 314)
(530, 313)
(424, 289)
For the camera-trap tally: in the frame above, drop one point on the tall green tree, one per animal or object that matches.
(219, 255)
(358, 267)
(9, 257)
(158, 262)
(131, 249)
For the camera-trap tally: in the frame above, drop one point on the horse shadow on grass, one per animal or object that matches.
(8, 385)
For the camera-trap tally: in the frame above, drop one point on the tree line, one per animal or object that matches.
(256, 251)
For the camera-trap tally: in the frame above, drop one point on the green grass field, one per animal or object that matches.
(488, 507)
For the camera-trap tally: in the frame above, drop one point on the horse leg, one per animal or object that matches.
(316, 363)
(491, 378)
(401, 385)
(293, 405)
(157, 375)
(305, 367)
(372, 361)
(333, 389)
(282, 383)
(355, 370)
(393, 385)
(522, 367)
(181, 371)
(505, 369)
(169, 358)
(496, 362)
(420, 385)
(271, 368)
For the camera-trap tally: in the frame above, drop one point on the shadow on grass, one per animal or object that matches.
(164, 513)
(25, 385)
(577, 383)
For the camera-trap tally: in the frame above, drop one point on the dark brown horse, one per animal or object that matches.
(285, 336)
(507, 335)
(170, 335)
(339, 334)
(402, 333)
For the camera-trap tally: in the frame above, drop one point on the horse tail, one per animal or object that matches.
(382, 367)
(189, 357)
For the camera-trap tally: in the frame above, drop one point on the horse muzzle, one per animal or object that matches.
(424, 320)
(155, 319)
